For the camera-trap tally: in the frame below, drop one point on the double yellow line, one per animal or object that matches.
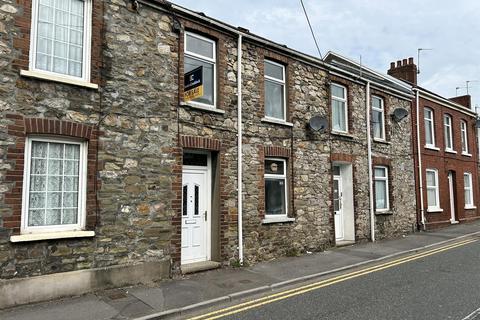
(320, 284)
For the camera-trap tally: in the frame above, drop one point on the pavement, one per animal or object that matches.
(196, 291)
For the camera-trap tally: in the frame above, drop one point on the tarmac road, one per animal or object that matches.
(440, 285)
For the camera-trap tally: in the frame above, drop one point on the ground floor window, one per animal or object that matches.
(54, 186)
(433, 197)
(381, 188)
(468, 190)
(275, 187)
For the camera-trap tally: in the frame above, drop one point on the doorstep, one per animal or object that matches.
(344, 243)
(199, 266)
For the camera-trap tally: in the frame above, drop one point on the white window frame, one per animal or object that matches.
(82, 187)
(283, 83)
(375, 178)
(464, 137)
(345, 100)
(87, 39)
(382, 112)
(204, 59)
(468, 175)
(431, 120)
(448, 132)
(436, 187)
(277, 177)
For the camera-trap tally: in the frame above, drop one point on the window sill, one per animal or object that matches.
(451, 151)
(435, 210)
(466, 154)
(52, 235)
(470, 208)
(432, 148)
(201, 107)
(277, 220)
(383, 212)
(342, 134)
(280, 122)
(44, 76)
(383, 141)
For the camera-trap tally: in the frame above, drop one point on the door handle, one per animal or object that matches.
(205, 215)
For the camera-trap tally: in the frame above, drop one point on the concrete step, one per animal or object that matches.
(199, 266)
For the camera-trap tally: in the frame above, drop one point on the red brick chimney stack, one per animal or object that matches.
(405, 70)
(465, 100)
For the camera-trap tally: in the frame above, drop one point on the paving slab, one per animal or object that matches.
(88, 307)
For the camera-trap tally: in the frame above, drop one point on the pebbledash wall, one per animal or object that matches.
(138, 129)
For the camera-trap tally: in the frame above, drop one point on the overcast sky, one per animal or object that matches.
(380, 31)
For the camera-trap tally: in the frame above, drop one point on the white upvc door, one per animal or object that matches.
(338, 207)
(452, 198)
(195, 216)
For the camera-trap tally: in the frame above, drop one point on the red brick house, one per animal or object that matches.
(446, 153)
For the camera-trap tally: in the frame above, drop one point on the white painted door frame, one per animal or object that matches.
(208, 201)
(452, 198)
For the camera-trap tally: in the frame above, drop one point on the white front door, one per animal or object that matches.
(338, 207)
(195, 195)
(452, 198)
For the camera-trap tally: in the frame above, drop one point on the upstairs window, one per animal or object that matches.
(275, 102)
(447, 127)
(275, 187)
(429, 128)
(200, 52)
(339, 108)
(464, 135)
(54, 185)
(61, 35)
(378, 118)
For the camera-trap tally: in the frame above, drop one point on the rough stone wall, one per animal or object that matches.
(140, 155)
(307, 167)
(136, 111)
(397, 155)
(221, 126)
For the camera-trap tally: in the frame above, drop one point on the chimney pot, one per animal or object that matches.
(392, 65)
(404, 62)
(399, 63)
(410, 60)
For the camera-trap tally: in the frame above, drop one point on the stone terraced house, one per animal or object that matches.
(108, 177)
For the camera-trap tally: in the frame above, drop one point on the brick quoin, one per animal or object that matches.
(20, 128)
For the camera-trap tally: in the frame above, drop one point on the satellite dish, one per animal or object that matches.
(318, 123)
(399, 114)
(477, 124)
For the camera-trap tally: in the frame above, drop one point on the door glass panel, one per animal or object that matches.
(184, 200)
(336, 200)
(336, 171)
(197, 188)
(194, 159)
